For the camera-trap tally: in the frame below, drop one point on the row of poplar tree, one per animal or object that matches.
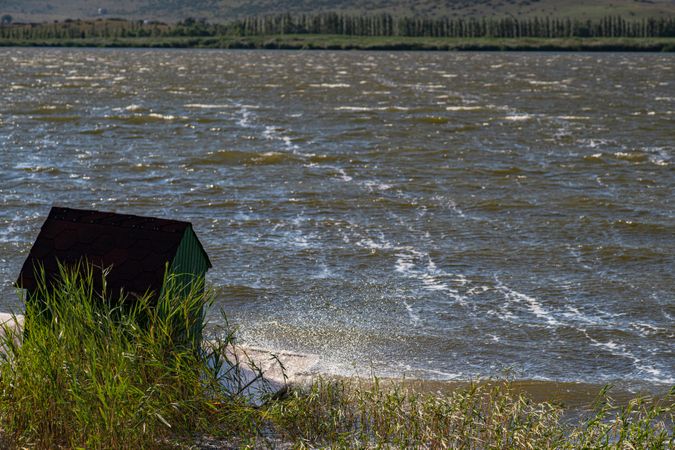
(505, 27)
(348, 25)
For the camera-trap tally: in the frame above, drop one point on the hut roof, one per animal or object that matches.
(135, 248)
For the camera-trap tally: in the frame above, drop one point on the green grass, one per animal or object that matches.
(89, 373)
(349, 414)
(96, 373)
(331, 42)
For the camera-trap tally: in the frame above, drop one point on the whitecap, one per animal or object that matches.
(573, 117)
(531, 303)
(134, 108)
(659, 155)
(432, 283)
(330, 85)
(369, 243)
(207, 106)
(647, 372)
(543, 83)
(414, 318)
(344, 176)
(164, 116)
(370, 108)
(519, 117)
(374, 185)
(463, 108)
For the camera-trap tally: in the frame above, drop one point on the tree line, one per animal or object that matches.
(349, 25)
(505, 27)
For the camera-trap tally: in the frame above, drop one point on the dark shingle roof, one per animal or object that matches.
(137, 248)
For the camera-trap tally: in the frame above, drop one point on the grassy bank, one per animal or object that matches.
(92, 374)
(334, 42)
(347, 414)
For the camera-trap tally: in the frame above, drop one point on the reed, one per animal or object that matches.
(350, 414)
(91, 371)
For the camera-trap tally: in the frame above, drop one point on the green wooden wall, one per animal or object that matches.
(190, 260)
(190, 264)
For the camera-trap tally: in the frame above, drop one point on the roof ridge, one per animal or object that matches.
(131, 221)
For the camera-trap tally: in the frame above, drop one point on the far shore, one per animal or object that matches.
(385, 43)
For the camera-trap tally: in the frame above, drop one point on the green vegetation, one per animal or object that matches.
(345, 414)
(102, 374)
(88, 371)
(340, 32)
(328, 42)
(383, 25)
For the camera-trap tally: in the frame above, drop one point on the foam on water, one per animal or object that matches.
(519, 117)
(532, 304)
(394, 108)
(414, 317)
(330, 85)
(208, 106)
(647, 371)
(464, 108)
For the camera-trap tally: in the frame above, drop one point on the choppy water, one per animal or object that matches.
(436, 215)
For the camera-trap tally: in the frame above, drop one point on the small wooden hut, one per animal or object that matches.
(136, 250)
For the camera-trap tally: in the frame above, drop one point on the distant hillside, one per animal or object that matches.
(223, 10)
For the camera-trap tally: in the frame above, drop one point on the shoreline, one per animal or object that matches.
(335, 42)
(300, 370)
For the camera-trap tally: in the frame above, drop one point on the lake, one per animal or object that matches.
(438, 216)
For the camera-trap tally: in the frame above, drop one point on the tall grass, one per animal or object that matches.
(91, 371)
(348, 414)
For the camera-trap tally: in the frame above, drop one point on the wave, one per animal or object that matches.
(208, 106)
(623, 254)
(38, 169)
(142, 119)
(573, 117)
(506, 171)
(631, 156)
(430, 120)
(590, 203)
(647, 371)
(58, 119)
(533, 305)
(45, 110)
(544, 83)
(371, 108)
(243, 158)
(505, 204)
(655, 155)
(136, 108)
(519, 117)
(330, 85)
(464, 108)
(643, 228)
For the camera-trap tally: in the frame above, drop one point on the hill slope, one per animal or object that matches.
(222, 10)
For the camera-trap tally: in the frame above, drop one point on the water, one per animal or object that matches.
(430, 215)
